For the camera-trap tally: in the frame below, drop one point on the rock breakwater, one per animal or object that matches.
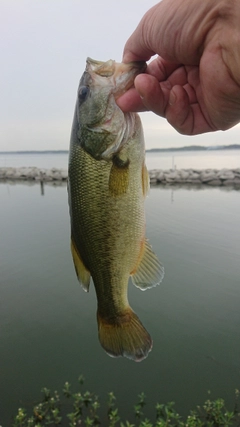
(213, 177)
(33, 174)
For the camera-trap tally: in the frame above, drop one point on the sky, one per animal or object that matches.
(44, 45)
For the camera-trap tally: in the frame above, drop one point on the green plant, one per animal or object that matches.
(82, 409)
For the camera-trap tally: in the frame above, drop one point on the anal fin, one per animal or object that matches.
(150, 271)
(82, 273)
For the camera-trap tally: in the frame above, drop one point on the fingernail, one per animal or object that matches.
(172, 98)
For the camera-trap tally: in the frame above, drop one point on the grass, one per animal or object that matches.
(81, 408)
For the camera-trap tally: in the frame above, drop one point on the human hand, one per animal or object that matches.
(195, 81)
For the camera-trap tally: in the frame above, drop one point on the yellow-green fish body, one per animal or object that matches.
(108, 182)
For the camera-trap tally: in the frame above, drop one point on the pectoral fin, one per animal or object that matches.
(119, 177)
(82, 273)
(149, 272)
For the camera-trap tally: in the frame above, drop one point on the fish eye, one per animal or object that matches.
(83, 93)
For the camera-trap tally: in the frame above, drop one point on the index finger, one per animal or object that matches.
(135, 51)
(137, 47)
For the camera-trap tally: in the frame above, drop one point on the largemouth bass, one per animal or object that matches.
(107, 185)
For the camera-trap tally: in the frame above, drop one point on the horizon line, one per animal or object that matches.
(184, 148)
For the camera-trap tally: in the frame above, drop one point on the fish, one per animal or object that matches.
(107, 186)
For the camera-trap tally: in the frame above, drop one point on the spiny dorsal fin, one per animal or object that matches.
(82, 273)
(119, 177)
(145, 180)
(150, 271)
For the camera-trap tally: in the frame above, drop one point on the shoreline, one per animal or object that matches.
(211, 177)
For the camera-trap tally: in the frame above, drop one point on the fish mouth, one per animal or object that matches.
(125, 75)
(121, 75)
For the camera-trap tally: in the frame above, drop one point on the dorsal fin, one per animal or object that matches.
(150, 271)
(82, 273)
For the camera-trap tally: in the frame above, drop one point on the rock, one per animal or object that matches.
(56, 176)
(64, 174)
(194, 176)
(183, 174)
(225, 174)
(151, 173)
(172, 176)
(208, 175)
(10, 172)
(160, 176)
(236, 171)
(2, 173)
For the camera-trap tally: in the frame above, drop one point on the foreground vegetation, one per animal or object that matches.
(81, 408)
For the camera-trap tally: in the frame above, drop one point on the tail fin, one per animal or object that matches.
(124, 336)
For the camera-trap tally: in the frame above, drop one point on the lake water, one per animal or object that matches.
(48, 329)
(180, 160)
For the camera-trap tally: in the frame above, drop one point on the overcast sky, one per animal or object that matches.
(44, 45)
